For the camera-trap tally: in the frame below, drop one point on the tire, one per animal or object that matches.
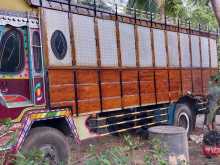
(184, 118)
(51, 142)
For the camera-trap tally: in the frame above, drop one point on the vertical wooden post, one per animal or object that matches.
(98, 54)
(154, 65)
(201, 67)
(72, 41)
(190, 50)
(168, 61)
(137, 61)
(180, 62)
(73, 51)
(119, 54)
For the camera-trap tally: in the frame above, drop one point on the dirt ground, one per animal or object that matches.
(81, 154)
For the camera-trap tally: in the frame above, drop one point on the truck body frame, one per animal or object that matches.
(100, 72)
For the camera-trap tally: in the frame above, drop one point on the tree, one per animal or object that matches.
(216, 8)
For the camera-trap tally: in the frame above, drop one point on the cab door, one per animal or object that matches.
(14, 70)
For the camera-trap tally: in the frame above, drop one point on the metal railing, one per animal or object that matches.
(119, 9)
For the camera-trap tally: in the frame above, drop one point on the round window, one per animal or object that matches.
(59, 44)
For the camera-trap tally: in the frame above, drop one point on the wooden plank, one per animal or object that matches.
(175, 84)
(111, 103)
(147, 88)
(130, 88)
(87, 106)
(111, 75)
(186, 81)
(130, 101)
(62, 93)
(88, 92)
(197, 81)
(162, 86)
(111, 89)
(87, 76)
(61, 87)
(206, 75)
(59, 77)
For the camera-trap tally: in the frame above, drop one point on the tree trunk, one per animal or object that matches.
(161, 5)
(216, 8)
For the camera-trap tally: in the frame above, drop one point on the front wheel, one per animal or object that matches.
(51, 142)
(184, 117)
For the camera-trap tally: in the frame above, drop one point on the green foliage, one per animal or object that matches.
(157, 154)
(34, 157)
(112, 156)
(130, 142)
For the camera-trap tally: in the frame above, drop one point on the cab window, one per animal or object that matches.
(11, 52)
(37, 52)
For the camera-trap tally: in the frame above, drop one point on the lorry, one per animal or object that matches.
(72, 70)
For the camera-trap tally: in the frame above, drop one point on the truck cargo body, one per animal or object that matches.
(98, 72)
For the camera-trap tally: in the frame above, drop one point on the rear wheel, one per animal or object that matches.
(184, 117)
(51, 142)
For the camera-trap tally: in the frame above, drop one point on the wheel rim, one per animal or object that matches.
(50, 154)
(183, 121)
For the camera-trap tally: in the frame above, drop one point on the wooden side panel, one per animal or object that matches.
(61, 83)
(111, 91)
(88, 91)
(162, 87)
(205, 78)
(130, 88)
(147, 88)
(186, 81)
(197, 81)
(175, 84)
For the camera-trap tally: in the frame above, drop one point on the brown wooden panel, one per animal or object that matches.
(175, 84)
(111, 103)
(58, 76)
(110, 76)
(87, 76)
(86, 106)
(129, 75)
(205, 78)
(88, 91)
(162, 86)
(128, 101)
(148, 98)
(186, 81)
(111, 90)
(130, 88)
(146, 75)
(147, 88)
(61, 87)
(62, 93)
(162, 97)
(197, 82)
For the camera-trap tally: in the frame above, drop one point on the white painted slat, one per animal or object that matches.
(214, 56)
(173, 49)
(108, 42)
(195, 51)
(205, 51)
(85, 44)
(53, 21)
(145, 50)
(159, 48)
(185, 51)
(127, 42)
